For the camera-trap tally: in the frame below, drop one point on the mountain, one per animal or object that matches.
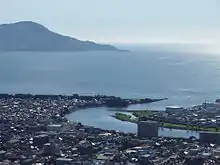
(31, 36)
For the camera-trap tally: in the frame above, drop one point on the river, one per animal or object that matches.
(102, 118)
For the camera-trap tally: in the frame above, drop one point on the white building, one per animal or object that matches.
(174, 108)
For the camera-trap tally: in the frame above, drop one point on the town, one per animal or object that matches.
(205, 117)
(34, 130)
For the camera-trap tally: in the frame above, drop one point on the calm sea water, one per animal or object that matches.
(185, 78)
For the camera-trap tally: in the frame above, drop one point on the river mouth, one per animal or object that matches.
(101, 117)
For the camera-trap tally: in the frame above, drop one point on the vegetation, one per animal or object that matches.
(128, 118)
(124, 117)
(146, 113)
(175, 126)
(187, 127)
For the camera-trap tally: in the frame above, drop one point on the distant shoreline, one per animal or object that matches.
(58, 51)
(92, 100)
(32, 36)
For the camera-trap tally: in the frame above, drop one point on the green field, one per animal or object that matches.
(187, 127)
(146, 113)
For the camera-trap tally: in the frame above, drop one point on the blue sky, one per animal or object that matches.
(122, 21)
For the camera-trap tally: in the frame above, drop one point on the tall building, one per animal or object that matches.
(147, 129)
(209, 137)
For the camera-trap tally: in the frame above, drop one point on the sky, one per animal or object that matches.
(122, 21)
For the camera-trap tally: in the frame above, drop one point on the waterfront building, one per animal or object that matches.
(147, 129)
(211, 106)
(209, 137)
(174, 108)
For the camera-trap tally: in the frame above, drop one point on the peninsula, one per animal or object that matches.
(31, 36)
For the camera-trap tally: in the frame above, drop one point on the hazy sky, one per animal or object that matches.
(118, 21)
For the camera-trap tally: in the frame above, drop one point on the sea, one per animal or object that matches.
(187, 75)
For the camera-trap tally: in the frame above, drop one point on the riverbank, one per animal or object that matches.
(102, 118)
(147, 113)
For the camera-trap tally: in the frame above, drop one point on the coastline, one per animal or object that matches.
(90, 101)
(98, 101)
(69, 104)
